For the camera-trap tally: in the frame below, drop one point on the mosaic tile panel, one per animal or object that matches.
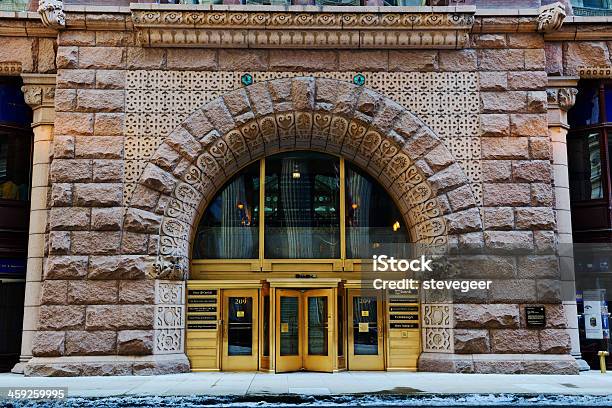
(158, 101)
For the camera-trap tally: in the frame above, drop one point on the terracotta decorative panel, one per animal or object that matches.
(158, 101)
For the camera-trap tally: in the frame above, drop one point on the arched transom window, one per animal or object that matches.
(309, 206)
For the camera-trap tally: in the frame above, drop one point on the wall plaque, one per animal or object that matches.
(404, 317)
(404, 326)
(536, 316)
(203, 292)
(202, 309)
(202, 317)
(200, 326)
(205, 300)
(403, 308)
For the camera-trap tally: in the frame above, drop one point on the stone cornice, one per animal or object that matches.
(303, 27)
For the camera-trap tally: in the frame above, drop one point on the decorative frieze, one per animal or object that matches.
(438, 328)
(604, 72)
(10, 68)
(203, 27)
(169, 323)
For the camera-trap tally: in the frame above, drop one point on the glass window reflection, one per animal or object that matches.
(585, 171)
(301, 206)
(229, 227)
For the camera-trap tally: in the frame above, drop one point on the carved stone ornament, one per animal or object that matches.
(36, 95)
(169, 267)
(52, 13)
(551, 17)
(213, 27)
(10, 68)
(604, 72)
(564, 98)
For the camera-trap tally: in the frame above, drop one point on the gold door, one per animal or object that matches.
(288, 330)
(318, 333)
(240, 330)
(365, 331)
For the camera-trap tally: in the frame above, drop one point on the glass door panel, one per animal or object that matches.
(240, 326)
(240, 330)
(365, 350)
(288, 330)
(319, 330)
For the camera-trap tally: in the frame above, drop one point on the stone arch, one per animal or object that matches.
(326, 115)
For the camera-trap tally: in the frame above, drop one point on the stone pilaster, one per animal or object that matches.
(39, 92)
(561, 97)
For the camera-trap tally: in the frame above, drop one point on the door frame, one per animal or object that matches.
(365, 362)
(240, 363)
(314, 362)
(293, 362)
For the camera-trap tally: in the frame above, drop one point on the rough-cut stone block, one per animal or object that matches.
(96, 242)
(194, 59)
(513, 291)
(158, 179)
(532, 171)
(107, 171)
(303, 60)
(48, 343)
(461, 198)
(121, 317)
(505, 147)
(114, 38)
(75, 78)
(411, 60)
(67, 57)
(540, 148)
(77, 37)
(528, 125)
(527, 80)
(84, 343)
(67, 218)
(98, 195)
(463, 221)
(447, 179)
(106, 219)
(63, 147)
(363, 60)
(100, 100)
(118, 267)
(61, 195)
(506, 194)
(147, 198)
(495, 171)
(54, 292)
(134, 243)
(555, 341)
(535, 59)
(549, 290)
(65, 100)
(503, 102)
(144, 58)
(509, 240)
(471, 341)
(494, 125)
(525, 40)
(458, 60)
(110, 79)
(494, 316)
(70, 171)
(302, 93)
(135, 342)
(92, 292)
(538, 266)
(109, 124)
(515, 341)
(101, 57)
(59, 242)
(554, 58)
(72, 123)
(498, 218)
(255, 60)
(135, 292)
(493, 80)
(537, 101)
(61, 317)
(501, 59)
(142, 221)
(218, 114)
(65, 267)
(184, 143)
(535, 218)
(98, 147)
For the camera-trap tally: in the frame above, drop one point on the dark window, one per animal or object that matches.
(585, 167)
(586, 110)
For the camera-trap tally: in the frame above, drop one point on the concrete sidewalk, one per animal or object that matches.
(227, 383)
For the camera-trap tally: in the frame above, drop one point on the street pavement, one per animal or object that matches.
(232, 383)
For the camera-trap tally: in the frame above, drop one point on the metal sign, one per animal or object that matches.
(536, 316)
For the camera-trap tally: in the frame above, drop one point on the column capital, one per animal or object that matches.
(561, 95)
(39, 93)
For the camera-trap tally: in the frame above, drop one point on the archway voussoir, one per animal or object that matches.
(183, 142)
(280, 93)
(448, 178)
(420, 143)
(464, 221)
(387, 114)
(158, 179)
(141, 221)
(367, 105)
(438, 157)
(303, 93)
(219, 115)
(198, 124)
(406, 125)
(260, 98)
(166, 157)
(237, 102)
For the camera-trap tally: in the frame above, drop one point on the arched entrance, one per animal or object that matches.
(353, 123)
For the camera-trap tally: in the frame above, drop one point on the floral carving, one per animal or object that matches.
(551, 17)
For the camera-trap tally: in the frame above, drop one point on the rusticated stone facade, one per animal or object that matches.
(117, 248)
